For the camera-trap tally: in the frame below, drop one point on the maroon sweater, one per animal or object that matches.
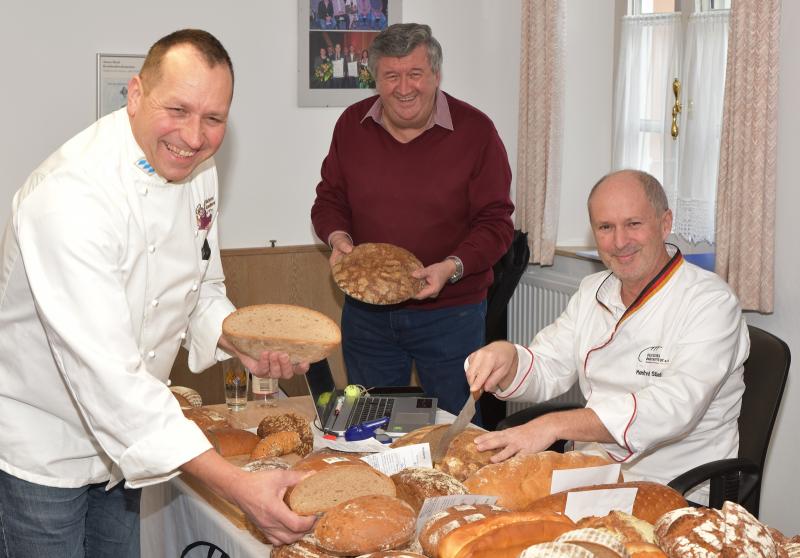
(443, 193)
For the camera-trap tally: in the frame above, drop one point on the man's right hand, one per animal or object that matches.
(341, 244)
(492, 367)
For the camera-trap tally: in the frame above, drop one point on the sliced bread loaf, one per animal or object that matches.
(304, 334)
(331, 486)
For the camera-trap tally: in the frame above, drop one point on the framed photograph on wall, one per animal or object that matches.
(113, 73)
(333, 38)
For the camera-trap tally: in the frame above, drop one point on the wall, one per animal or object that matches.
(269, 163)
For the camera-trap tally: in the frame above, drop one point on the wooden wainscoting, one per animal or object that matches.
(288, 275)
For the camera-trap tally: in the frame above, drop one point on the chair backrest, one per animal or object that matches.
(765, 373)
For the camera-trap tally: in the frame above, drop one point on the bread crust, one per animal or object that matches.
(288, 422)
(442, 523)
(415, 484)
(462, 457)
(275, 445)
(378, 273)
(232, 441)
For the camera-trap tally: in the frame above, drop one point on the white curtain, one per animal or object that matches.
(703, 79)
(649, 59)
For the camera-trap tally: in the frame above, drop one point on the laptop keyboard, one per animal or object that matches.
(370, 408)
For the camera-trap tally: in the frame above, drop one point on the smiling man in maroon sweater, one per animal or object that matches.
(420, 169)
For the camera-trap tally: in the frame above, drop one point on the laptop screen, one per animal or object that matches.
(322, 388)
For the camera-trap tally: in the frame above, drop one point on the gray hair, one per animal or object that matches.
(652, 188)
(399, 40)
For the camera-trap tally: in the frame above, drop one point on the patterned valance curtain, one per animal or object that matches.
(745, 214)
(541, 100)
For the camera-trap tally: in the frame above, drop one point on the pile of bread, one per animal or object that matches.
(366, 513)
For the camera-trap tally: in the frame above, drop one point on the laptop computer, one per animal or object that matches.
(336, 413)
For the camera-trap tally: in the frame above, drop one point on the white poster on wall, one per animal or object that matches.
(113, 73)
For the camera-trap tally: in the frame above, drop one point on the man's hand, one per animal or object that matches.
(493, 366)
(269, 364)
(435, 275)
(526, 438)
(341, 244)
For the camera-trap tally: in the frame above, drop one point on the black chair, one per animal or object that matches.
(737, 479)
(507, 273)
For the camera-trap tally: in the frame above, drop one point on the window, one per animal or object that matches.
(668, 103)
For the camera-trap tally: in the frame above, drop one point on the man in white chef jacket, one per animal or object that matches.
(110, 263)
(656, 343)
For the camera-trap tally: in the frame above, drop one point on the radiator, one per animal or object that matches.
(539, 299)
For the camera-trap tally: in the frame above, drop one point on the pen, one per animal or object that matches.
(339, 403)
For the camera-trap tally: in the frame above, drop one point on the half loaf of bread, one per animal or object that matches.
(329, 487)
(304, 334)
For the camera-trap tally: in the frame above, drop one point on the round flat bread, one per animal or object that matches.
(304, 334)
(378, 273)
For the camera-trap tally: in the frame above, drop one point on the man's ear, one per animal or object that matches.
(135, 94)
(666, 224)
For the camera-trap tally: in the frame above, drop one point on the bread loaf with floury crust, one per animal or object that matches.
(630, 528)
(304, 334)
(415, 484)
(307, 547)
(521, 480)
(462, 458)
(511, 531)
(441, 523)
(325, 489)
(556, 550)
(365, 524)
(289, 422)
(232, 441)
(601, 543)
(691, 532)
(652, 499)
(378, 273)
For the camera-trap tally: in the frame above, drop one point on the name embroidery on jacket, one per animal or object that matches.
(649, 357)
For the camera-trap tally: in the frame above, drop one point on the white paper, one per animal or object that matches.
(436, 504)
(394, 460)
(369, 445)
(599, 502)
(352, 69)
(338, 68)
(566, 479)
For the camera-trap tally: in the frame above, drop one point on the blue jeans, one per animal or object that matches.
(380, 345)
(44, 521)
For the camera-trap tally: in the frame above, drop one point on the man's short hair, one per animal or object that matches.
(399, 40)
(204, 42)
(652, 188)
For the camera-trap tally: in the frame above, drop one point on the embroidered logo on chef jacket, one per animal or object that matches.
(146, 167)
(650, 362)
(204, 213)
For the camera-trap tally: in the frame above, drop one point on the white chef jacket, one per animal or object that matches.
(103, 277)
(663, 375)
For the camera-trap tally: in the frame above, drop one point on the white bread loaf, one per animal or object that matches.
(304, 334)
(415, 484)
(232, 441)
(275, 445)
(651, 502)
(329, 487)
(457, 540)
(365, 524)
(289, 422)
(601, 543)
(521, 480)
(440, 524)
(462, 458)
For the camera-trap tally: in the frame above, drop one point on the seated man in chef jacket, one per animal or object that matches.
(110, 263)
(656, 344)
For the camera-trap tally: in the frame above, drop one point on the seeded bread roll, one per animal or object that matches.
(288, 422)
(521, 480)
(304, 334)
(329, 487)
(652, 499)
(462, 458)
(365, 524)
(378, 273)
(415, 484)
(275, 445)
(440, 524)
(232, 441)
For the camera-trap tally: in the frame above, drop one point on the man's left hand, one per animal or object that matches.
(269, 365)
(435, 275)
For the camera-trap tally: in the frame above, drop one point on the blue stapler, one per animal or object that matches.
(366, 430)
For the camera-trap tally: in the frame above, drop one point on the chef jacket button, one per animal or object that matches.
(169, 382)
(196, 233)
(151, 248)
(151, 354)
(154, 302)
(194, 287)
(143, 191)
(183, 335)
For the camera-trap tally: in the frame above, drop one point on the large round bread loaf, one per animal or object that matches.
(452, 544)
(415, 484)
(440, 524)
(521, 480)
(304, 334)
(745, 535)
(329, 487)
(652, 499)
(288, 422)
(691, 532)
(462, 458)
(232, 441)
(365, 524)
(378, 273)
